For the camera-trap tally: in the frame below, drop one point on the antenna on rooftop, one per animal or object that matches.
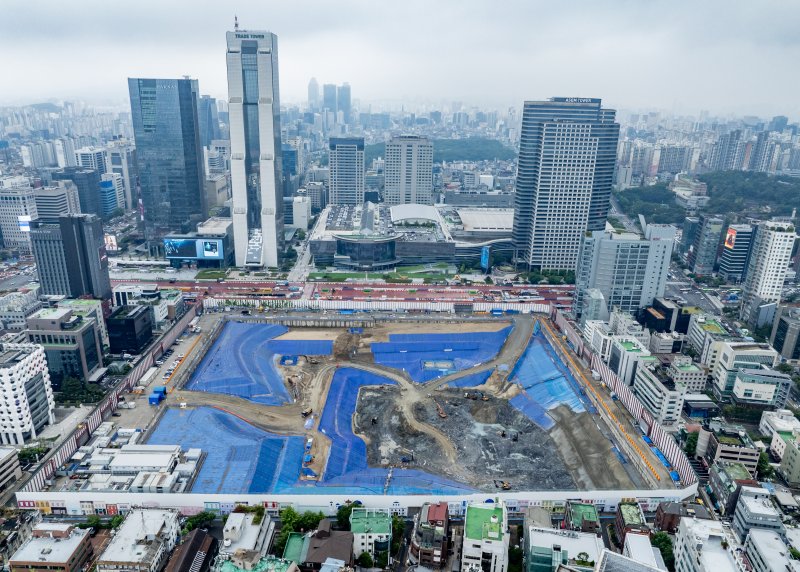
(236, 23)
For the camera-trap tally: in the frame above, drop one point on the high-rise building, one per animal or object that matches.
(17, 210)
(766, 271)
(121, 159)
(24, 374)
(728, 152)
(60, 199)
(169, 155)
(343, 104)
(408, 170)
(64, 149)
(71, 257)
(785, 336)
(703, 254)
(329, 98)
(346, 162)
(112, 194)
(313, 94)
(91, 158)
(564, 176)
(735, 252)
(88, 183)
(208, 120)
(629, 271)
(778, 123)
(256, 166)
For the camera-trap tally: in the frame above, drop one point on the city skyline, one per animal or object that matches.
(634, 56)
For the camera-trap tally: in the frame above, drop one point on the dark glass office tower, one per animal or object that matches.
(169, 155)
(567, 153)
(208, 118)
(88, 183)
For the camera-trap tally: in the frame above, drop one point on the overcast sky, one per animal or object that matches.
(726, 56)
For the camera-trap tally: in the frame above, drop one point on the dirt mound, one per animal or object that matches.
(345, 345)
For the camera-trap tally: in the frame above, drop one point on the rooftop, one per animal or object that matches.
(133, 543)
(735, 471)
(713, 555)
(364, 520)
(631, 513)
(48, 549)
(265, 564)
(483, 521)
(771, 547)
(582, 512)
(569, 540)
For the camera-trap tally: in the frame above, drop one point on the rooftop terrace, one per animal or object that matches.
(480, 525)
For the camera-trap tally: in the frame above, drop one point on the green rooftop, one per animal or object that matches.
(581, 512)
(630, 347)
(737, 472)
(266, 564)
(363, 520)
(478, 524)
(631, 514)
(713, 327)
(294, 548)
(687, 367)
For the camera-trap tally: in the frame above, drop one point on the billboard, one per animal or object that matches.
(485, 258)
(730, 238)
(194, 248)
(110, 241)
(24, 223)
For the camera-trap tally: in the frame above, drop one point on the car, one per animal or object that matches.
(115, 414)
(181, 356)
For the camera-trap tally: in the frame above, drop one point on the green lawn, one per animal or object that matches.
(210, 274)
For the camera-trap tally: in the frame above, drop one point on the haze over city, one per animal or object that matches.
(678, 56)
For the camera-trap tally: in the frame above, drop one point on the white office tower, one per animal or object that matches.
(766, 271)
(255, 129)
(24, 374)
(17, 210)
(92, 158)
(346, 162)
(116, 181)
(121, 159)
(409, 170)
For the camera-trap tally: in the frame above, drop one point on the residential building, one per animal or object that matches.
(88, 183)
(130, 329)
(785, 336)
(726, 479)
(703, 254)
(549, 548)
(92, 158)
(581, 516)
(767, 552)
(754, 509)
(790, 459)
(728, 153)
(732, 444)
(761, 387)
(142, 543)
(629, 271)
(194, 554)
(121, 160)
(256, 165)
(736, 252)
(684, 371)
(242, 531)
(346, 162)
(630, 519)
(766, 271)
(55, 201)
(659, 393)
(313, 549)
(169, 156)
(409, 170)
(25, 379)
(17, 307)
(17, 210)
(71, 343)
(71, 257)
(734, 356)
(669, 514)
(705, 546)
(372, 531)
(564, 176)
(429, 539)
(53, 546)
(10, 470)
(486, 537)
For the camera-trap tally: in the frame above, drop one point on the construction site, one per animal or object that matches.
(396, 407)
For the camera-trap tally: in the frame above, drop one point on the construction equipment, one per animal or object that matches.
(306, 412)
(440, 410)
(505, 485)
(475, 395)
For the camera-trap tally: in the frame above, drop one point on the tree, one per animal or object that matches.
(398, 529)
(310, 520)
(690, 447)
(488, 280)
(343, 515)
(515, 559)
(289, 517)
(117, 520)
(365, 560)
(31, 454)
(763, 469)
(662, 541)
(93, 521)
(784, 368)
(582, 559)
(382, 559)
(199, 520)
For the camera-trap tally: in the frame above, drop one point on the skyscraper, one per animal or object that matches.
(88, 183)
(256, 167)
(169, 155)
(343, 101)
(17, 210)
(91, 158)
(565, 172)
(208, 120)
(706, 243)
(766, 270)
(728, 152)
(71, 257)
(409, 170)
(735, 252)
(121, 159)
(329, 98)
(313, 94)
(629, 271)
(346, 162)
